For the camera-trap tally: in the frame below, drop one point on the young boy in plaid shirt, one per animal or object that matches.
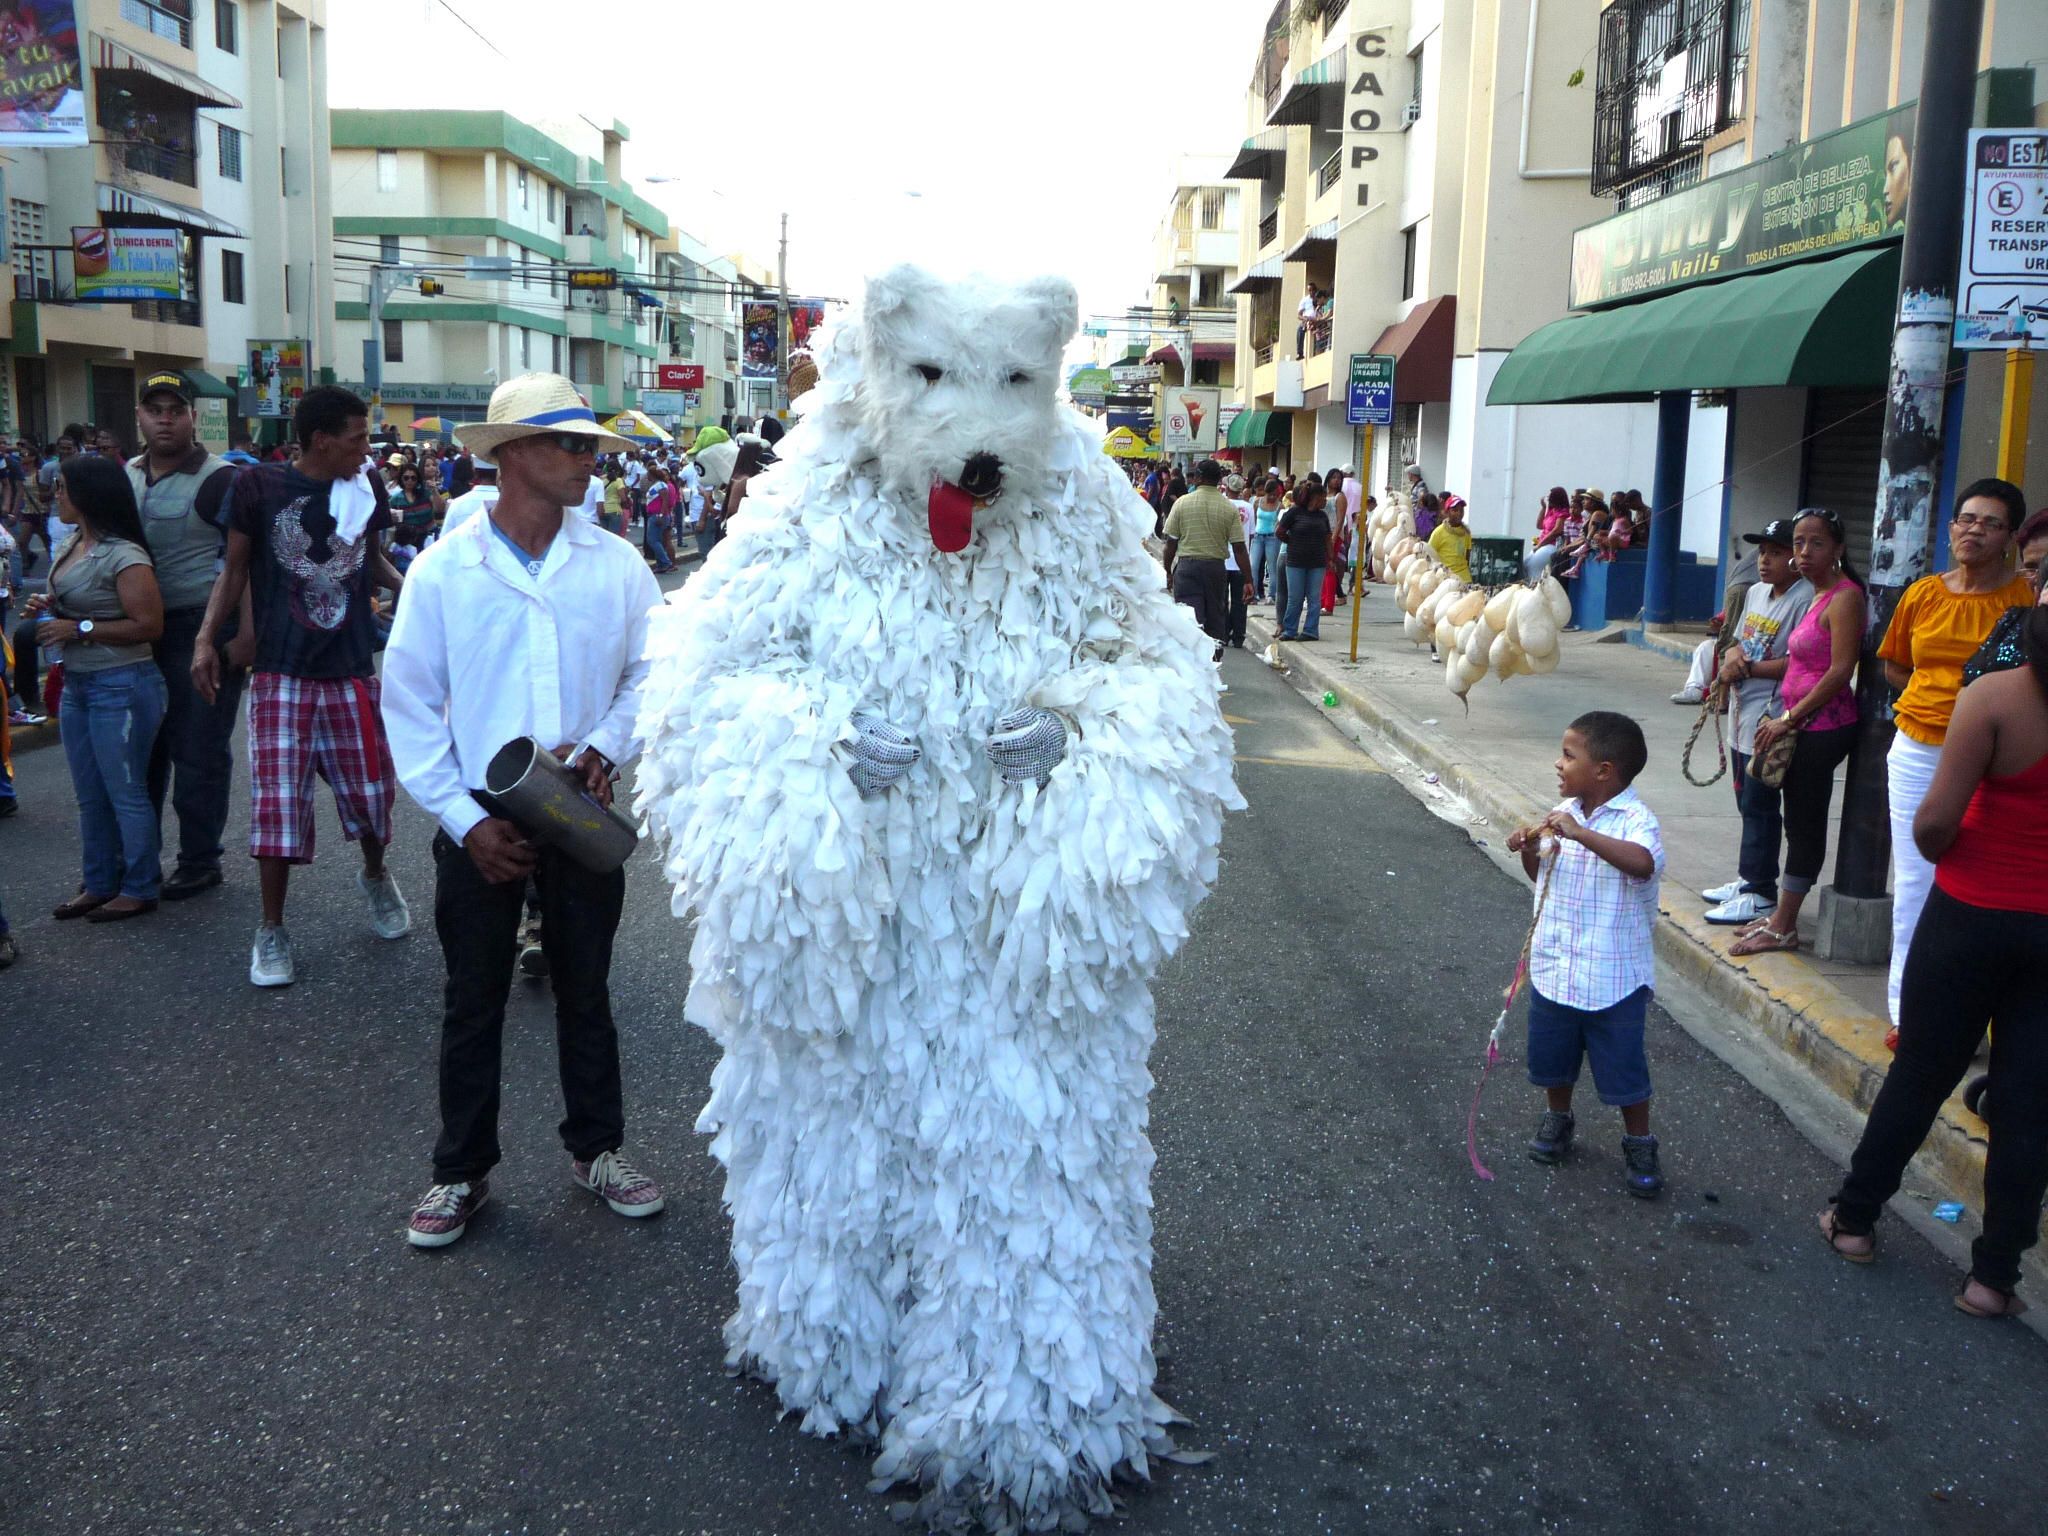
(1590, 963)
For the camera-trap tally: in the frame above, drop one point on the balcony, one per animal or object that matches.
(1669, 79)
(1269, 229)
(1329, 173)
(1262, 354)
(1315, 370)
(163, 161)
(162, 21)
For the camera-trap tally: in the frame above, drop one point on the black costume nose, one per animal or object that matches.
(982, 477)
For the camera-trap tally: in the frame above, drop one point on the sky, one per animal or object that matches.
(1015, 140)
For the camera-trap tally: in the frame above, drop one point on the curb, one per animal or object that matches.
(1789, 1005)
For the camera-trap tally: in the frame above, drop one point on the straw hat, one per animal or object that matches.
(533, 404)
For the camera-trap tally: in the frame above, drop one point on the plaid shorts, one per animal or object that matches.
(299, 726)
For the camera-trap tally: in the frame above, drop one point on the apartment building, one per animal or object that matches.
(1758, 155)
(208, 122)
(500, 212)
(700, 327)
(1190, 337)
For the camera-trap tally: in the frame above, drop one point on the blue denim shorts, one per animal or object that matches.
(1560, 1038)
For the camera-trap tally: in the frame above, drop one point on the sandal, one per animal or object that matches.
(78, 906)
(2013, 1305)
(1832, 1234)
(1763, 941)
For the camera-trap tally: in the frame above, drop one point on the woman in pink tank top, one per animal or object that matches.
(1820, 705)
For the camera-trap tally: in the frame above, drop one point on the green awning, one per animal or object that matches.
(1313, 95)
(1820, 324)
(1263, 158)
(204, 384)
(1259, 429)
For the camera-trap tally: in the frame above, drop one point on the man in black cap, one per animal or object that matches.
(182, 492)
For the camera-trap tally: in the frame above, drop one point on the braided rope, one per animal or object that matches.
(1713, 706)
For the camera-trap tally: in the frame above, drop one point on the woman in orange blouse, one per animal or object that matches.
(1936, 628)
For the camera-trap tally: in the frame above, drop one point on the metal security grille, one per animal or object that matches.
(1671, 76)
(1845, 443)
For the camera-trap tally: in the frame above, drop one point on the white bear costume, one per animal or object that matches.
(933, 1003)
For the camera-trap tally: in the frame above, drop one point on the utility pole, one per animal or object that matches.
(782, 322)
(1855, 913)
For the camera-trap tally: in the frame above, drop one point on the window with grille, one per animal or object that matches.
(231, 285)
(227, 26)
(1671, 76)
(394, 341)
(387, 170)
(230, 152)
(1212, 207)
(28, 225)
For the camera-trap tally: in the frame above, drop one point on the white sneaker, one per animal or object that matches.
(1741, 909)
(1688, 695)
(1721, 893)
(270, 959)
(389, 914)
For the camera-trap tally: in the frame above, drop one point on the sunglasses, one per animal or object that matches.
(568, 442)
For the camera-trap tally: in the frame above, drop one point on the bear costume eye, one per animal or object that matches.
(930, 374)
(1020, 377)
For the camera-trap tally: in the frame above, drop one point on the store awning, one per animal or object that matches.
(1823, 324)
(1422, 346)
(1314, 95)
(206, 385)
(108, 54)
(1260, 429)
(1320, 239)
(121, 200)
(1264, 276)
(1205, 352)
(1263, 157)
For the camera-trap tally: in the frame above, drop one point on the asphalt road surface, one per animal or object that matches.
(210, 1320)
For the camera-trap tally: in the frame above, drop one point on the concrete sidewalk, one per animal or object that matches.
(1827, 1017)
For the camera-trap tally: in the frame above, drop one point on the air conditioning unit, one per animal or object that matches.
(1411, 114)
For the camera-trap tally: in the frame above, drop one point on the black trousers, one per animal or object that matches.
(1239, 607)
(1809, 785)
(479, 927)
(1200, 584)
(1967, 964)
(197, 740)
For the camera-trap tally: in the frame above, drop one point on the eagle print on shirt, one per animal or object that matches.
(323, 567)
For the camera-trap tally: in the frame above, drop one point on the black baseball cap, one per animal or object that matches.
(168, 381)
(1778, 531)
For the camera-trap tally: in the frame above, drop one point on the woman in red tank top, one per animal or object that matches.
(1976, 956)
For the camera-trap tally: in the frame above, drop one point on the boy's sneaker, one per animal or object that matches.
(1745, 908)
(443, 1215)
(1721, 893)
(1553, 1139)
(9, 950)
(270, 960)
(618, 1183)
(1645, 1179)
(389, 914)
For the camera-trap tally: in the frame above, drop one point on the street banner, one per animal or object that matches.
(679, 375)
(2002, 294)
(1188, 420)
(112, 264)
(277, 376)
(1369, 393)
(805, 316)
(757, 347)
(1842, 189)
(42, 101)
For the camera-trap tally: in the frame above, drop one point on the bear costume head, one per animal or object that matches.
(956, 398)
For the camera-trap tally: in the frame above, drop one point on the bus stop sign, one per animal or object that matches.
(1369, 401)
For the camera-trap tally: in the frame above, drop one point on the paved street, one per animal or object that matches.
(210, 1320)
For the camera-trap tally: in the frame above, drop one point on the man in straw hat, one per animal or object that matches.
(524, 620)
(306, 540)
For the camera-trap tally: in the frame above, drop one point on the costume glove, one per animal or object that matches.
(881, 755)
(1028, 745)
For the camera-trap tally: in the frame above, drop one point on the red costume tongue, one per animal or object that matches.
(951, 514)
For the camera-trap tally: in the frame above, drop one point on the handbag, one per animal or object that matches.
(1769, 766)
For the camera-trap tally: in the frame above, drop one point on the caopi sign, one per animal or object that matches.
(1367, 129)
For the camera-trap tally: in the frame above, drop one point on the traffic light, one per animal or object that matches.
(432, 287)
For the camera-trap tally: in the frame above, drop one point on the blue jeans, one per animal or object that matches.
(109, 721)
(1265, 560)
(1763, 824)
(1303, 602)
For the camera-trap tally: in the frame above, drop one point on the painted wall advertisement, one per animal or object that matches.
(1188, 420)
(42, 103)
(1842, 189)
(277, 375)
(111, 264)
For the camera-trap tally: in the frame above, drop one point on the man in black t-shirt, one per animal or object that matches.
(306, 539)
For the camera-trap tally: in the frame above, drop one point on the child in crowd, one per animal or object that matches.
(1590, 964)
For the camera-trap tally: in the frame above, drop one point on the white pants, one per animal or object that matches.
(1909, 769)
(1701, 677)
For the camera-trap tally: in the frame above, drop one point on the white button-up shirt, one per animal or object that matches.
(483, 653)
(1593, 941)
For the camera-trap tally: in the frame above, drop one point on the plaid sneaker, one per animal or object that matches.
(442, 1216)
(622, 1186)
